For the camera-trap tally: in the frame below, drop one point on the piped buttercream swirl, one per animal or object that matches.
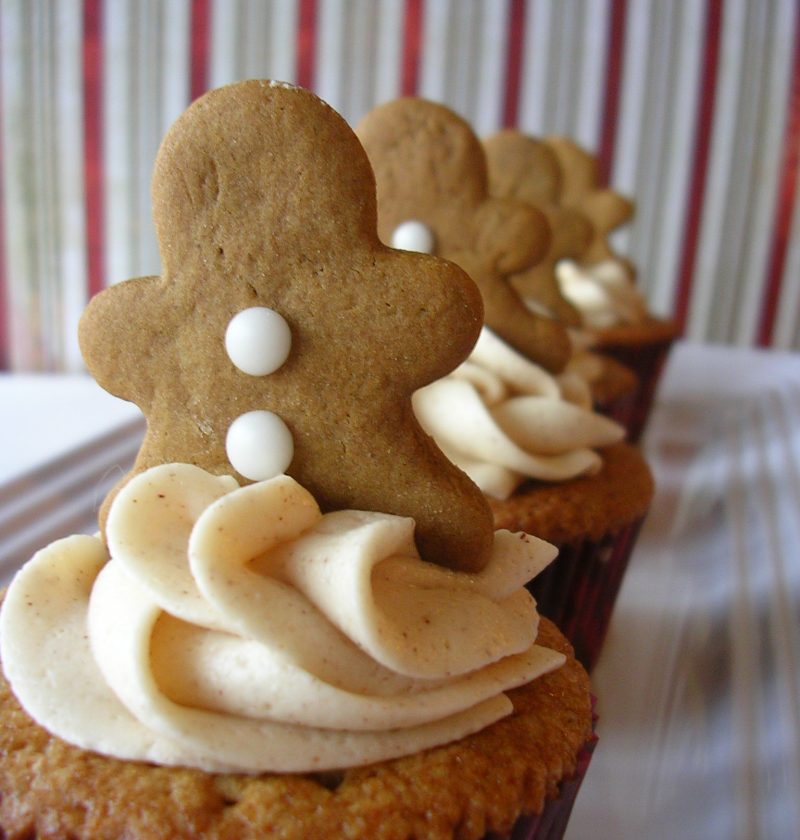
(238, 629)
(603, 293)
(503, 419)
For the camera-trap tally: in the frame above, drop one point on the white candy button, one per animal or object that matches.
(259, 445)
(413, 236)
(258, 340)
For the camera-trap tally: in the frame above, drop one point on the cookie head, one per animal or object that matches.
(528, 169)
(431, 173)
(522, 167)
(282, 335)
(581, 191)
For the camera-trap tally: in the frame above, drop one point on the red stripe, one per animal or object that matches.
(200, 33)
(412, 47)
(702, 144)
(516, 35)
(5, 336)
(614, 62)
(784, 207)
(93, 140)
(306, 43)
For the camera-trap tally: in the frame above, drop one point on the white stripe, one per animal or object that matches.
(565, 58)
(659, 276)
(590, 76)
(433, 72)
(176, 60)
(707, 294)
(743, 125)
(463, 69)
(768, 126)
(254, 34)
(491, 61)
(119, 120)
(143, 59)
(654, 118)
(362, 57)
(145, 42)
(633, 95)
(331, 27)
(251, 39)
(279, 61)
(21, 278)
(224, 42)
(389, 38)
(533, 87)
(158, 34)
(42, 141)
(71, 207)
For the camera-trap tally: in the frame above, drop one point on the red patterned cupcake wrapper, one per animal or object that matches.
(578, 589)
(551, 824)
(647, 362)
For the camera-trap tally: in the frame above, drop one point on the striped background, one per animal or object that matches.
(693, 107)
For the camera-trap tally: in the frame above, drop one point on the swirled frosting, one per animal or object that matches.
(602, 292)
(503, 419)
(239, 629)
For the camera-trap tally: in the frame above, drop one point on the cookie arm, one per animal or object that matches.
(606, 210)
(117, 336)
(541, 286)
(542, 340)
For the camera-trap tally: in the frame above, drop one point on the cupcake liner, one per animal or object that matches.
(624, 410)
(647, 362)
(551, 824)
(579, 588)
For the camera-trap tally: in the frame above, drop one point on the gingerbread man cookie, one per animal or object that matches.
(433, 195)
(282, 335)
(527, 169)
(605, 209)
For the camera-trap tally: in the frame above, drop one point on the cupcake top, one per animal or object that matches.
(293, 577)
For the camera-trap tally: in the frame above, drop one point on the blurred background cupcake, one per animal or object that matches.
(601, 284)
(529, 170)
(512, 416)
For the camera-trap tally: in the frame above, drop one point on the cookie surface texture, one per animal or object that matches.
(430, 168)
(264, 200)
(528, 169)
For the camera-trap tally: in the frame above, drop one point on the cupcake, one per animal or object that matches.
(297, 617)
(601, 284)
(527, 169)
(612, 385)
(549, 465)
(509, 423)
